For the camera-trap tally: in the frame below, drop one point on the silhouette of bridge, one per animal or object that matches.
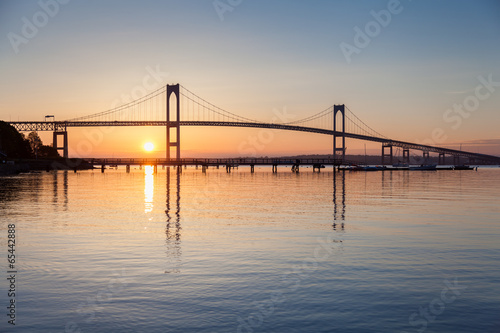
(160, 108)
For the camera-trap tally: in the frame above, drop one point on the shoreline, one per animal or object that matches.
(14, 167)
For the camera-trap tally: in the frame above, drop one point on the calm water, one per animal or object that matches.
(214, 252)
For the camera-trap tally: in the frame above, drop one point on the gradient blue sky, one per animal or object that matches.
(264, 55)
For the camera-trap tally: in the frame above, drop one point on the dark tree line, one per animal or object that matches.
(16, 145)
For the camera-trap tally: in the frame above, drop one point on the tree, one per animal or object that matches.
(48, 152)
(13, 143)
(17, 145)
(35, 143)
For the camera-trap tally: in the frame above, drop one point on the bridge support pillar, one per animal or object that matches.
(127, 168)
(252, 168)
(441, 159)
(173, 124)
(406, 156)
(384, 155)
(341, 109)
(426, 156)
(103, 167)
(64, 147)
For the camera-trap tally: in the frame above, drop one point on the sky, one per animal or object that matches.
(419, 71)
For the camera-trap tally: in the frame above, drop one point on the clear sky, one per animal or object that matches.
(402, 74)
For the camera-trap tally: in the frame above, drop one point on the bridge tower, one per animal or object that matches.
(384, 154)
(57, 132)
(341, 109)
(406, 156)
(173, 124)
(425, 154)
(441, 159)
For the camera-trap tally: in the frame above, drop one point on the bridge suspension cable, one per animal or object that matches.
(359, 124)
(209, 111)
(137, 108)
(152, 106)
(324, 120)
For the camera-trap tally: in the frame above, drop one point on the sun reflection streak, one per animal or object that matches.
(148, 188)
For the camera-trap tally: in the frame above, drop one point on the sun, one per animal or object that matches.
(149, 146)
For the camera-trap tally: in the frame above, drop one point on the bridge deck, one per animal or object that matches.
(62, 126)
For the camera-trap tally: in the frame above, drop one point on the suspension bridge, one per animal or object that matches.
(174, 106)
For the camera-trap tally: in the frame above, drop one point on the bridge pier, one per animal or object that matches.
(425, 156)
(64, 148)
(252, 168)
(441, 159)
(384, 155)
(204, 168)
(155, 169)
(102, 168)
(127, 168)
(406, 156)
(228, 168)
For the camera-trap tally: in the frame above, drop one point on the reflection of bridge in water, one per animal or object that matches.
(174, 107)
(173, 223)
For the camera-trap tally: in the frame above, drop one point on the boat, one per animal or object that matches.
(463, 167)
(400, 166)
(365, 168)
(428, 167)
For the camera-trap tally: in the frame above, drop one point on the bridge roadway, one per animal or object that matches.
(62, 126)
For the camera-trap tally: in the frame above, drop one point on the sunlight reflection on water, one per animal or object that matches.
(149, 187)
